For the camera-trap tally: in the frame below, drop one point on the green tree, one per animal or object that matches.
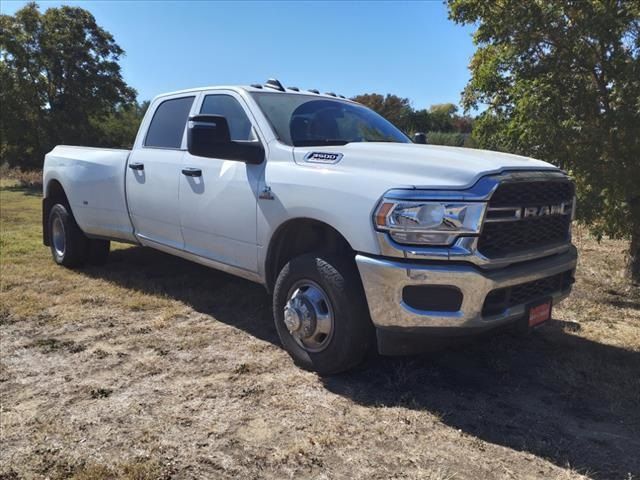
(442, 116)
(119, 128)
(561, 82)
(60, 77)
(395, 109)
(419, 121)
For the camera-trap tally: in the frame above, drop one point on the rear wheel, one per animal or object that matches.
(69, 246)
(321, 313)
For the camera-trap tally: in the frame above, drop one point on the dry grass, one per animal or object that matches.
(152, 367)
(29, 179)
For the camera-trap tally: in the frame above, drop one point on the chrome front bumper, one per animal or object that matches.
(384, 279)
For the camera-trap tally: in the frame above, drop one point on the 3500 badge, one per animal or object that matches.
(323, 157)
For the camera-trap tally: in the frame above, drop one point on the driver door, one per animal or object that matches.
(218, 198)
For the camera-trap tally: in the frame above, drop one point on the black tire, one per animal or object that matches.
(69, 246)
(98, 252)
(352, 332)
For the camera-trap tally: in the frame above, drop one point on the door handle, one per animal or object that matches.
(192, 172)
(136, 166)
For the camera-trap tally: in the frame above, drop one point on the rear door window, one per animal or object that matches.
(168, 123)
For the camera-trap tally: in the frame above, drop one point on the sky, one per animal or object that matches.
(410, 49)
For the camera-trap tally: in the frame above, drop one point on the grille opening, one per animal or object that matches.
(500, 239)
(435, 298)
(499, 300)
(523, 193)
(504, 238)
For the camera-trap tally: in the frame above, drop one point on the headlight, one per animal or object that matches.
(429, 223)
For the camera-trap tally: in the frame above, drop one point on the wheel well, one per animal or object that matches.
(297, 237)
(54, 193)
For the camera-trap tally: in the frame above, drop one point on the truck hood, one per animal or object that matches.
(417, 166)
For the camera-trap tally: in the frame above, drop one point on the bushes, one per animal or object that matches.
(451, 139)
(30, 179)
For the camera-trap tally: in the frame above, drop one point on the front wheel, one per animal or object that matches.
(321, 313)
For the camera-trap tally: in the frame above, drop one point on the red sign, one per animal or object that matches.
(539, 314)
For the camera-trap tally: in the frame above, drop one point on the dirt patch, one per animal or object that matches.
(152, 367)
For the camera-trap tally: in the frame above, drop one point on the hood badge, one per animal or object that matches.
(323, 157)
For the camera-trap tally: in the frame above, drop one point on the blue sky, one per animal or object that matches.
(407, 48)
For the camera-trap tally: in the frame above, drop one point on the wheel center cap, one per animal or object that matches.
(299, 316)
(291, 318)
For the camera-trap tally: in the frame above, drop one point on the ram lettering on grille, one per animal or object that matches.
(525, 216)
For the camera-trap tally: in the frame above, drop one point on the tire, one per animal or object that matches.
(69, 246)
(98, 252)
(334, 285)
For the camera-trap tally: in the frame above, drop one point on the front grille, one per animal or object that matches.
(526, 194)
(504, 238)
(509, 232)
(499, 300)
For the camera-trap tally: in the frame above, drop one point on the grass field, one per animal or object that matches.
(152, 367)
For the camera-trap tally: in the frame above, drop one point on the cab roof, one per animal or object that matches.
(271, 85)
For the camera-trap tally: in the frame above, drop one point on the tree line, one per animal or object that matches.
(441, 122)
(558, 80)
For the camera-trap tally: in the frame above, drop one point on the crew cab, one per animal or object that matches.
(363, 238)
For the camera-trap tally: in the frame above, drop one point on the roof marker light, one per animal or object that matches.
(275, 84)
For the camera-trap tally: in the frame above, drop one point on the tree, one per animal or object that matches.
(60, 77)
(442, 115)
(419, 121)
(395, 109)
(561, 82)
(119, 129)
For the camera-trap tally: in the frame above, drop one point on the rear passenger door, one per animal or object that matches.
(154, 172)
(218, 206)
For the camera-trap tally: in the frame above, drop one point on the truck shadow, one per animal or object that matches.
(561, 397)
(572, 401)
(229, 299)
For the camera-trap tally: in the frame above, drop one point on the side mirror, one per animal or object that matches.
(420, 138)
(209, 136)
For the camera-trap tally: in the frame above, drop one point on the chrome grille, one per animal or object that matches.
(527, 215)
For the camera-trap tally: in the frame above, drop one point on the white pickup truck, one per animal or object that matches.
(361, 235)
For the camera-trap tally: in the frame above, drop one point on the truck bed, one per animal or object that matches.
(94, 180)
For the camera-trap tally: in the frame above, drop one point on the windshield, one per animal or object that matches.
(305, 120)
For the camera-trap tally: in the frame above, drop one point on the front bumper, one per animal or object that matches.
(384, 280)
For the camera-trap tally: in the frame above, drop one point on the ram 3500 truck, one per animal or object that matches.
(360, 235)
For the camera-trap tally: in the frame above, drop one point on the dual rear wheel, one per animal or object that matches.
(69, 245)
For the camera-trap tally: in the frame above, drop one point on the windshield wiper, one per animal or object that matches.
(319, 142)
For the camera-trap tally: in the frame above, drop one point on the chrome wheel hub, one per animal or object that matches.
(308, 316)
(57, 236)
